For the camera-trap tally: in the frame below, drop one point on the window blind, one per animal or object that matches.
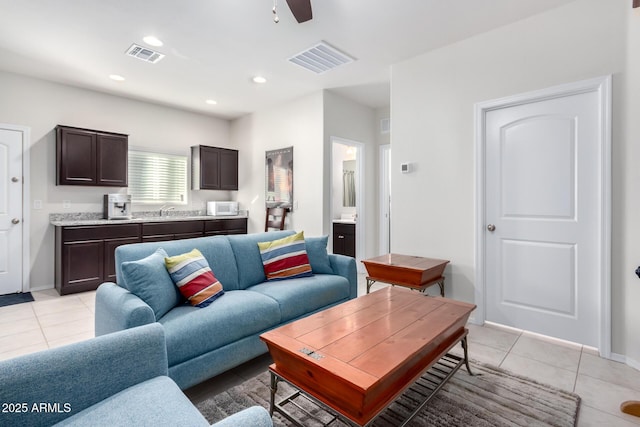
(157, 177)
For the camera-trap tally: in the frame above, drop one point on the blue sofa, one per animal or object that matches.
(116, 380)
(204, 342)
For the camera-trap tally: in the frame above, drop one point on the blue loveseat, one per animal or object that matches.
(204, 342)
(116, 380)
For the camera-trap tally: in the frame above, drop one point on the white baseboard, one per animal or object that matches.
(626, 360)
(41, 288)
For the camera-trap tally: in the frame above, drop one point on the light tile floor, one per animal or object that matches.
(51, 321)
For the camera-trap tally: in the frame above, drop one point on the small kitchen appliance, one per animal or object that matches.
(222, 208)
(117, 206)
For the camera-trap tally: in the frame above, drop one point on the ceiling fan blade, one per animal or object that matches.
(301, 10)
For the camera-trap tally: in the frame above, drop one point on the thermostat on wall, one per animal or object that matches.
(405, 167)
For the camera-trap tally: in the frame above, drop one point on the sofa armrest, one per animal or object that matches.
(346, 266)
(255, 416)
(69, 379)
(118, 309)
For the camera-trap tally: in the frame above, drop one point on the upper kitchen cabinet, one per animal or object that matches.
(214, 168)
(91, 157)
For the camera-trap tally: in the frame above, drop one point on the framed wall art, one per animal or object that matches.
(279, 178)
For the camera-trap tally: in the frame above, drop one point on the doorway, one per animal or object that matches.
(543, 212)
(14, 218)
(348, 190)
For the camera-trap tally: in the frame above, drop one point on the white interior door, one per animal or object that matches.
(543, 171)
(11, 217)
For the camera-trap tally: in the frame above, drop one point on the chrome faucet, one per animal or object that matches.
(164, 209)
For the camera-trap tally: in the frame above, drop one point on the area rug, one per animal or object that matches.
(12, 299)
(492, 398)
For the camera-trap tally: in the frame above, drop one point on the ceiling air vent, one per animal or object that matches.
(321, 57)
(144, 53)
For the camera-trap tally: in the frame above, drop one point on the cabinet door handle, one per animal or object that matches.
(341, 237)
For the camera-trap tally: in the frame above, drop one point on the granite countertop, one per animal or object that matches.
(96, 218)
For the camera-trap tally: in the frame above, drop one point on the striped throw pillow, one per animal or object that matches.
(285, 258)
(192, 275)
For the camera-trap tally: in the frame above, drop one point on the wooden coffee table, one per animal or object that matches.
(410, 271)
(358, 357)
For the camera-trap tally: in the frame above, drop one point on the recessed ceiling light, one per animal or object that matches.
(152, 41)
(259, 79)
(116, 77)
(211, 102)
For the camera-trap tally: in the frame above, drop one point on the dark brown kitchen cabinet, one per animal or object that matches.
(216, 227)
(214, 168)
(91, 157)
(110, 246)
(85, 255)
(344, 239)
(171, 230)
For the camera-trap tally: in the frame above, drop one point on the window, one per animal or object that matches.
(157, 178)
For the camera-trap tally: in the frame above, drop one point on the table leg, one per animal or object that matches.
(274, 389)
(466, 355)
(369, 283)
(441, 284)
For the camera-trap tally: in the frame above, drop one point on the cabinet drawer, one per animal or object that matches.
(349, 229)
(174, 227)
(225, 225)
(80, 233)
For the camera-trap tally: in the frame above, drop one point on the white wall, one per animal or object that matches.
(626, 198)
(42, 105)
(432, 117)
(307, 124)
(344, 118)
(298, 124)
(382, 138)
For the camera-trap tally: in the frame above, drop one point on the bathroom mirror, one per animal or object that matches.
(349, 183)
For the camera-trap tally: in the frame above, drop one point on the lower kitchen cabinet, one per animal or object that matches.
(85, 255)
(344, 239)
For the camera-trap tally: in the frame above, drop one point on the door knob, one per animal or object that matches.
(15, 221)
(491, 227)
(15, 179)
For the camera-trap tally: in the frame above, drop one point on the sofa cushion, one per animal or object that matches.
(191, 332)
(193, 277)
(149, 280)
(285, 258)
(155, 402)
(297, 297)
(247, 256)
(317, 253)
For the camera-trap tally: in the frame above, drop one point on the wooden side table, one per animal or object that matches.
(412, 272)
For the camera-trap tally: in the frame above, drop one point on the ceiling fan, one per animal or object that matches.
(301, 10)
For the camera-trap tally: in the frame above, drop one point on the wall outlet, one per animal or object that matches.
(66, 204)
(37, 204)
